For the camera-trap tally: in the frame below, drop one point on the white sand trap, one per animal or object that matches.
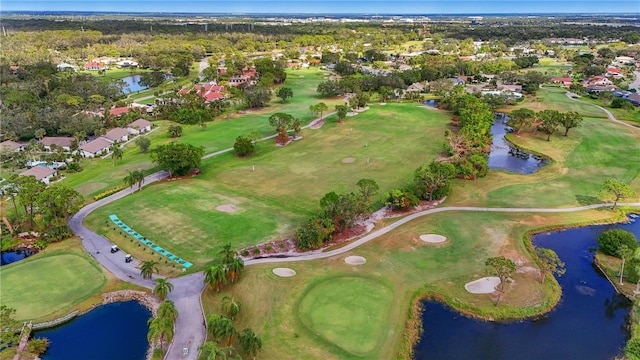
(355, 260)
(348, 160)
(433, 238)
(284, 272)
(228, 208)
(485, 285)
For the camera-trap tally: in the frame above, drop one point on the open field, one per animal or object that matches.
(550, 67)
(55, 282)
(553, 98)
(286, 185)
(278, 308)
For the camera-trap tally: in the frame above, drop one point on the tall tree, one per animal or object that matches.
(28, 195)
(221, 327)
(210, 351)
(282, 122)
(549, 121)
(129, 180)
(177, 158)
(148, 268)
(231, 306)
(321, 108)
(215, 276)
(503, 268)
(430, 178)
(116, 153)
(616, 190)
(284, 93)
(522, 118)
(623, 253)
(168, 310)
(551, 263)
(58, 202)
(250, 342)
(162, 288)
(143, 143)
(341, 112)
(235, 268)
(569, 121)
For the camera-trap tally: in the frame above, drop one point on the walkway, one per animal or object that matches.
(572, 96)
(190, 328)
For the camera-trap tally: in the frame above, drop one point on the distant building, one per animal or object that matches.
(95, 66)
(209, 92)
(11, 146)
(59, 141)
(564, 81)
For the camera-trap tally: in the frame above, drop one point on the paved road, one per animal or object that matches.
(571, 95)
(636, 83)
(204, 63)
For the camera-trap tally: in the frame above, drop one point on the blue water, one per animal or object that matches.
(112, 331)
(8, 257)
(506, 157)
(132, 84)
(589, 323)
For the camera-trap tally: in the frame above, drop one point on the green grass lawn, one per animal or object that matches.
(550, 67)
(286, 185)
(43, 285)
(349, 312)
(555, 99)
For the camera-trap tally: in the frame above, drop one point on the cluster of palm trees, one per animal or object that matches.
(228, 269)
(161, 327)
(133, 178)
(221, 329)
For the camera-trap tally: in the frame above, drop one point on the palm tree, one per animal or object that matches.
(250, 342)
(211, 351)
(160, 329)
(226, 253)
(231, 306)
(148, 268)
(130, 179)
(138, 176)
(116, 153)
(235, 268)
(168, 310)
(221, 327)
(162, 288)
(215, 276)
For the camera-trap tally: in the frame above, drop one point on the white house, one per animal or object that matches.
(59, 141)
(41, 173)
(117, 135)
(95, 147)
(11, 146)
(139, 126)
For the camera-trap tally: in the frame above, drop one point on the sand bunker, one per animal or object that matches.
(355, 260)
(348, 160)
(433, 238)
(228, 208)
(284, 272)
(485, 285)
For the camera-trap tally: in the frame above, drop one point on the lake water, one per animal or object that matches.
(8, 257)
(112, 331)
(132, 83)
(589, 323)
(506, 157)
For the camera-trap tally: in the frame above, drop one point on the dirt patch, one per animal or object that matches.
(348, 160)
(355, 260)
(316, 124)
(228, 208)
(284, 272)
(485, 285)
(433, 238)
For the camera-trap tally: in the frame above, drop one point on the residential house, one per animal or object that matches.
(564, 81)
(597, 80)
(419, 87)
(247, 75)
(95, 66)
(106, 60)
(95, 147)
(66, 67)
(11, 146)
(457, 81)
(139, 126)
(127, 64)
(41, 173)
(117, 111)
(512, 88)
(209, 92)
(505, 93)
(118, 135)
(58, 141)
(613, 72)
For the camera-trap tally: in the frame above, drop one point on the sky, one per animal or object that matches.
(331, 7)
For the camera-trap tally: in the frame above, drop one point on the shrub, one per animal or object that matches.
(38, 346)
(632, 350)
(316, 232)
(244, 146)
(268, 248)
(398, 199)
(106, 193)
(57, 233)
(256, 251)
(245, 253)
(610, 241)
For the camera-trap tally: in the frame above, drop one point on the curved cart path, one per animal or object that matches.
(571, 95)
(190, 328)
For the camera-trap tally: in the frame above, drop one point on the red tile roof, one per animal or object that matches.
(119, 111)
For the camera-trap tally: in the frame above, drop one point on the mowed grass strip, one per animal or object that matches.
(278, 187)
(42, 286)
(348, 312)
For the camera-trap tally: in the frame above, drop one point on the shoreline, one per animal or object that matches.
(414, 328)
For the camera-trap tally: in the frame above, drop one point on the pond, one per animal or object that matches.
(506, 157)
(589, 323)
(8, 257)
(112, 331)
(132, 84)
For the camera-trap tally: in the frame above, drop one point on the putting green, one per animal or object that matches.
(43, 286)
(348, 312)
